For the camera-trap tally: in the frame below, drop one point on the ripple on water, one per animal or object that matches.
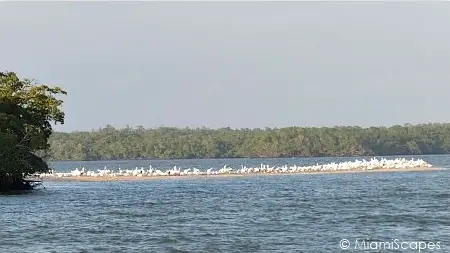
(295, 213)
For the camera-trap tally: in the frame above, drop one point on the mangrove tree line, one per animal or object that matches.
(166, 142)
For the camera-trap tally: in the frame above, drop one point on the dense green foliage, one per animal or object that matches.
(26, 112)
(140, 143)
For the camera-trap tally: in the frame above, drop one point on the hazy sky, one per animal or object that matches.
(237, 64)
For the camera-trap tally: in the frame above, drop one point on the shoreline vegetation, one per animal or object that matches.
(109, 143)
(27, 111)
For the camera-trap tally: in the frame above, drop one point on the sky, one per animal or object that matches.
(234, 64)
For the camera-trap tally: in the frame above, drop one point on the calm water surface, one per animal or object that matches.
(283, 213)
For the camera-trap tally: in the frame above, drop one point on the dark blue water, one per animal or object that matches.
(282, 213)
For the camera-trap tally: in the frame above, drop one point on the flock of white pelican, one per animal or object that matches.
(357, 165)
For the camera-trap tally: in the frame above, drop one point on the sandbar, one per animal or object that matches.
(231, 175)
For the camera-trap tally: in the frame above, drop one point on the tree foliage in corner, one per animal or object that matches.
(26, 113)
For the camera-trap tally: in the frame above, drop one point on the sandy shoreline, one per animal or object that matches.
(133, 178)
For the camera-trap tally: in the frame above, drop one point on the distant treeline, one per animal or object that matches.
(139, 143)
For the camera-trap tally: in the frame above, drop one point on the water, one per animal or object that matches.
(281, 213)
